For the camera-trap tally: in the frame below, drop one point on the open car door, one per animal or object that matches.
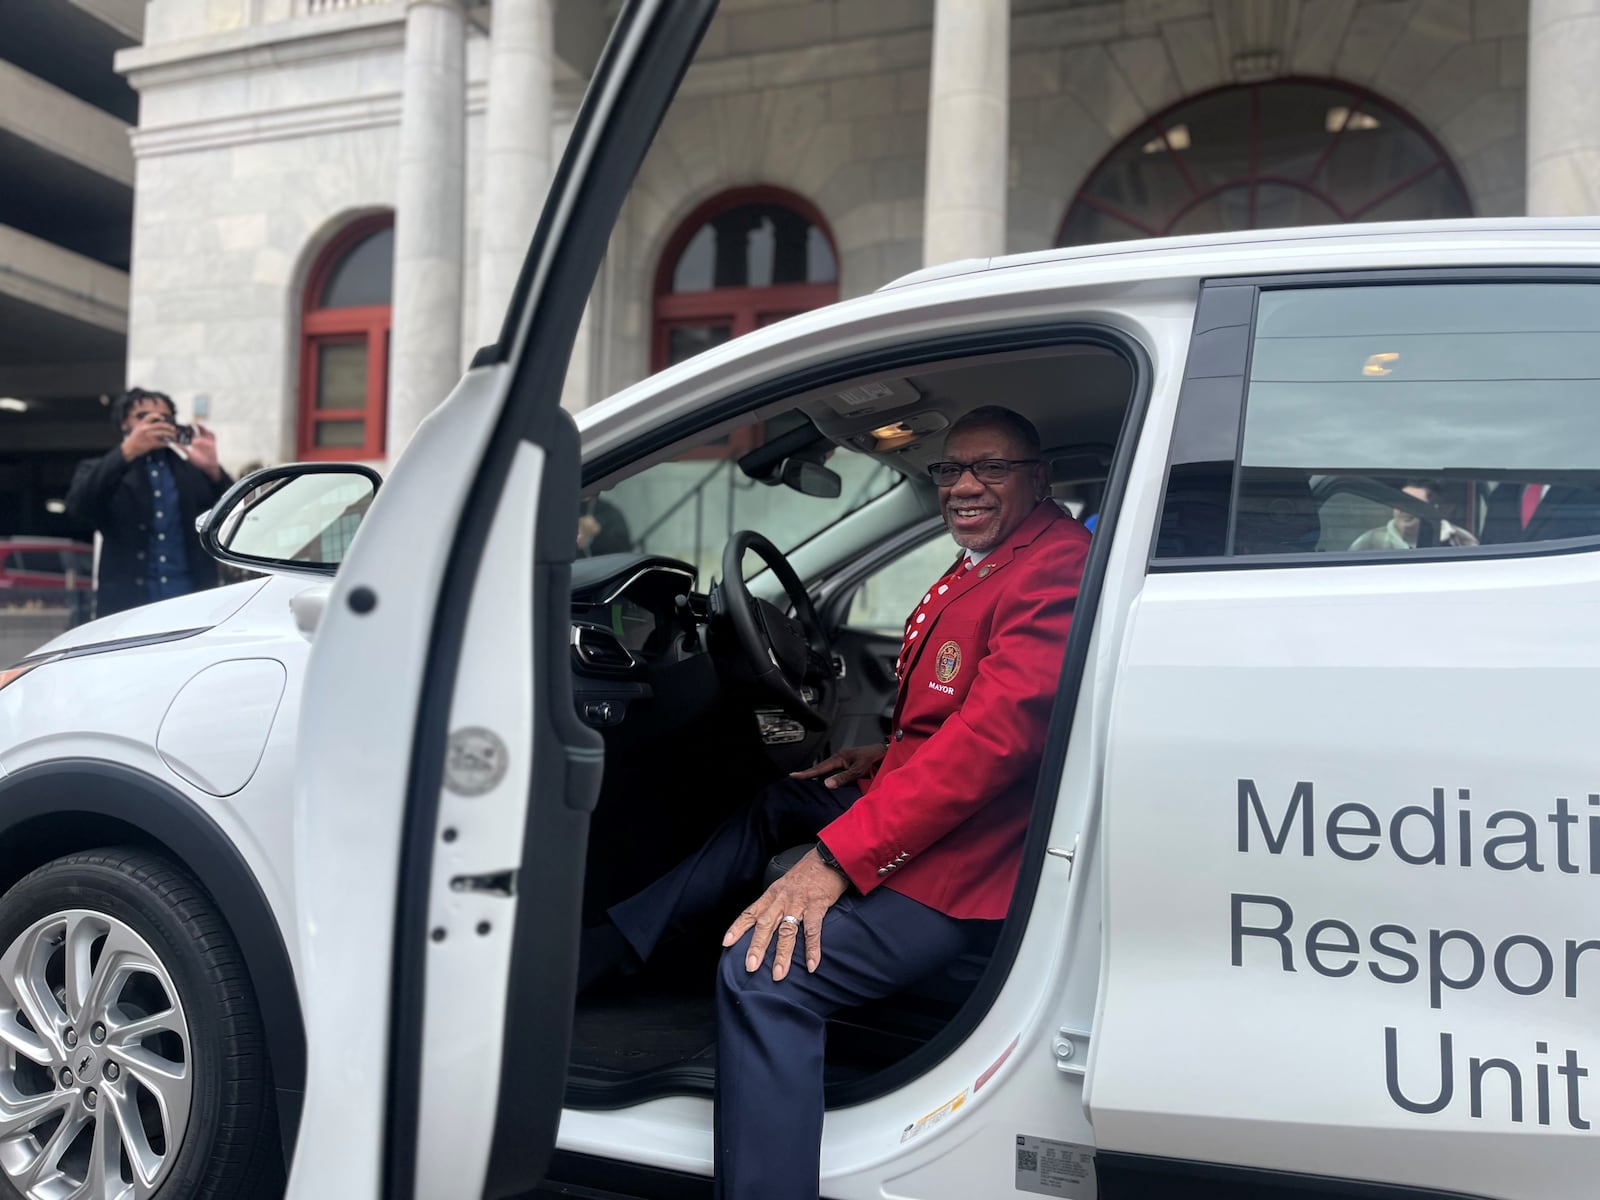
(444, 784)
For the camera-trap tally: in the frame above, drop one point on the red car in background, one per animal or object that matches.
(45, 564)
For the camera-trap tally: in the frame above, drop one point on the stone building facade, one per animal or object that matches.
(904, 132)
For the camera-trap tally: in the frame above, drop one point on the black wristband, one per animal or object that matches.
(828, 860)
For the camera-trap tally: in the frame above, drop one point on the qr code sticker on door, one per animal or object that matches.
(1052, 1168)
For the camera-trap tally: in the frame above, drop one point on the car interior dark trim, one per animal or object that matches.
(1145, 1177)
(624, 106)
(1191, 396)
(152, 810)
(697, 1079)
(590, 1177)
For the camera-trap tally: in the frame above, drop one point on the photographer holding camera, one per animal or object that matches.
(142, 497)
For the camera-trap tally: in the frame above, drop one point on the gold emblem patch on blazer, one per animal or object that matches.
(948, 663)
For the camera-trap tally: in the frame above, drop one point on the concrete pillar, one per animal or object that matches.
(425, 344)
(968, 143)
(516, 162)
(1563, 108)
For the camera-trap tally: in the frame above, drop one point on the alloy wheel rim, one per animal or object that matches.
(95, 1065)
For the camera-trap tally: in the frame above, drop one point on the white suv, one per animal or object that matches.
(1303, 910)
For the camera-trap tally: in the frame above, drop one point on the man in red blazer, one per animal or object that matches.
(911, 869)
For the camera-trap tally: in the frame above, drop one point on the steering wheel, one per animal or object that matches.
(785, 655)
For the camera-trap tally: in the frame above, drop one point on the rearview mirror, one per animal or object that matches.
(299, 517)
(811, 479)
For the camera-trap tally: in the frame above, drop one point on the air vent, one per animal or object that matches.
(599, 648)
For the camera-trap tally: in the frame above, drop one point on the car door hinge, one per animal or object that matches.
(1071, 1050)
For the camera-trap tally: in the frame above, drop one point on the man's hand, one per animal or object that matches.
(203, 452)
(847, 766)
(808, 891)
(152, 433)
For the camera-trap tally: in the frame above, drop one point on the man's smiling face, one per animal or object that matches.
(982, 515)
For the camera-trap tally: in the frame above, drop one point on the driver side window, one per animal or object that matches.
(885, 598)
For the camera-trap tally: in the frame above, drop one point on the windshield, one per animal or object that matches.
(688, 508)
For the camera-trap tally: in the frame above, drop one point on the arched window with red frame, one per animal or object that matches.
(344, 344)
(743, 259)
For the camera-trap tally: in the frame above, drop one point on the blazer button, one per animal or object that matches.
(899, 735)
(883, 870)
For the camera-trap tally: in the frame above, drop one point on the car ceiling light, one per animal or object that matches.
(12, 404)
(887, 437)
(1375, 363)
(55, 506)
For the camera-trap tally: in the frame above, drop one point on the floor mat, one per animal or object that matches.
(632, 1035)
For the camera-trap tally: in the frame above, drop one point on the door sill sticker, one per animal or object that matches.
(934, 1118)
(1051, 1168)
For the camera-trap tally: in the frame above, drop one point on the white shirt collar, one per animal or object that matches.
(974, 557)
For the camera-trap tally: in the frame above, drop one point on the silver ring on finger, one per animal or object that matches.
(791, 921)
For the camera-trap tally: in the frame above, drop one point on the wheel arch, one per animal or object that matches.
(53, 809)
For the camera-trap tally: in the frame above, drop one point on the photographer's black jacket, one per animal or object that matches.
(108, 494)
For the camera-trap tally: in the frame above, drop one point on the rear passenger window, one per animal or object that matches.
(1380, 420)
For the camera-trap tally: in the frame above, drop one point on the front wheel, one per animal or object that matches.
(132, 1060)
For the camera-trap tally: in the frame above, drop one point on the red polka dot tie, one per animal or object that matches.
(918, 620)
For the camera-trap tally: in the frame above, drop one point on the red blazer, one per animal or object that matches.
(943, 819)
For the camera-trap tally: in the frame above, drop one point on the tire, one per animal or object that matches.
(157, 1058)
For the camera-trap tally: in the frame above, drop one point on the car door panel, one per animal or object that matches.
(471, 944)
(1343, 919)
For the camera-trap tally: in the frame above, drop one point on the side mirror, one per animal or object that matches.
(811, 479)
(297, 517)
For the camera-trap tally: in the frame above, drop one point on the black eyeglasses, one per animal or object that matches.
(985, 470)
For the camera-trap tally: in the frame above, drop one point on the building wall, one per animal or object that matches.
(263, 130)
(252, 155)
(831, 101)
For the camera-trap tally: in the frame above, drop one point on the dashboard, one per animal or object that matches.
(625, 609)
(633, 617)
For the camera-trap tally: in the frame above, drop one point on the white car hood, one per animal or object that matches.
(198, 610)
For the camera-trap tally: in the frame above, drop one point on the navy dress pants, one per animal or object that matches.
(726, 872)
(771, 1035)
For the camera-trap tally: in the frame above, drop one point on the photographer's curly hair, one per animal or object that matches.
(124, 402)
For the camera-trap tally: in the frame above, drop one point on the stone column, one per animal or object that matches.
(968, 143)
(425, 344)
(516, 161)
(1563, 108)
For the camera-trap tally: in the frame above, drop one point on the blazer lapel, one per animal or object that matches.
(1034, 524)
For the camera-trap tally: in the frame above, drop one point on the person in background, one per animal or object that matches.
(602, 529)
(142, 497)
(1403, 527)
